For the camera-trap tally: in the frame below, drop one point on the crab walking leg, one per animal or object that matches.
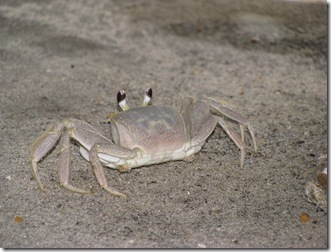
(117, 153)
(226, 109)
(235, 138)
(42, 146)
(242, 132)
(64, 163)
(81, 131)
(86, 136)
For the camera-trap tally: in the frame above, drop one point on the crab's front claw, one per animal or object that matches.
(117, 154)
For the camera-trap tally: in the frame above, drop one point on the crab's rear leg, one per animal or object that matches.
(229, 111)
(236, 139)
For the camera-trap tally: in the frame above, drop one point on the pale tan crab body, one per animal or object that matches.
(141, 136)
(158, 134)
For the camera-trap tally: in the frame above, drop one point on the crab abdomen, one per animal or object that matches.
(153, 129)
(149, 159)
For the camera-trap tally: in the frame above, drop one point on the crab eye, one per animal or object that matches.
(121, 100)
(147, 96)
(121, 96)
(149, 92)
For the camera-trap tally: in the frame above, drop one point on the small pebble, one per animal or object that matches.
(304, 217)
(18, 219)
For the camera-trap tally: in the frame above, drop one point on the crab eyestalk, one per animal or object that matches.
(147, 96)
(121, 100)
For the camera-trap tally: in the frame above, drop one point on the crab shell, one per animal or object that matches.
(160, 132)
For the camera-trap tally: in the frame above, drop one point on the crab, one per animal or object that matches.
(316, 187)
(141, 136)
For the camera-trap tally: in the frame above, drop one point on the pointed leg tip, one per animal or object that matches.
(75, 189)
(122, 195)
(118, 194)
(114, 192)
(42, 188)
(256, 150)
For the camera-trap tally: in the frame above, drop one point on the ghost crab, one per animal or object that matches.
(145, 135)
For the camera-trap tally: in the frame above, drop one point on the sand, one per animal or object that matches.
(68, 59)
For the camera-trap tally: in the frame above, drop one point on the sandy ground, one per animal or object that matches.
(61, 59)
